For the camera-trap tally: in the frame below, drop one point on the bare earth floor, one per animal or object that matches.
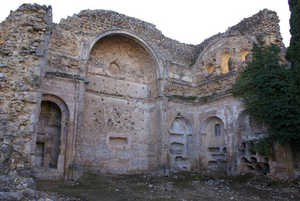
(177, 187)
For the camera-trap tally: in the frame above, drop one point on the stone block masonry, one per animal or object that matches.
(24, 38)
(104, 92)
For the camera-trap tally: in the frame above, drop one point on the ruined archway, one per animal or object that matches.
(126, 58)
(119, 125)
(50, 147)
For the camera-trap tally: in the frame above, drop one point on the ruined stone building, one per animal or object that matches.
(104, 92)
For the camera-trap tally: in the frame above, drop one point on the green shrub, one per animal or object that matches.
(268, 91)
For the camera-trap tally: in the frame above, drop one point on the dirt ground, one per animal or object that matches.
(177, 187)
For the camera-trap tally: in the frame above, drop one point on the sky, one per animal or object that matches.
(188, 21)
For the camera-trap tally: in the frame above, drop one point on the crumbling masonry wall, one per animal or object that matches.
(130, 99)
(24, 37)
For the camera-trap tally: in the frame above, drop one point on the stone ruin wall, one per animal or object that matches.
(126, 98)
(24, 38)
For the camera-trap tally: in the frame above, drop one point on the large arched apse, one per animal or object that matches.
(129, 69)
(120, 116)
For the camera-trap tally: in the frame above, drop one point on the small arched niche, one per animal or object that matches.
(210, 68)
(243, 55)
(225, 63)
(214, 129)
(180, 125)
(126, 59)
(180, 143)
(214, 155)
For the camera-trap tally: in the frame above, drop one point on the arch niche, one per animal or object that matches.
(50, 147)
(125, 57)
(180, 140)
(215, 135)
(215, 146)
(122, 71)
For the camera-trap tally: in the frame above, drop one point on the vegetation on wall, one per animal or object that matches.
(293, 53)
(266, 88)
(271, 90)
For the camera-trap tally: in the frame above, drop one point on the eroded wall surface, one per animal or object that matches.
(139, 85)
(132, 100)
(24, 37)
(120, 126)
